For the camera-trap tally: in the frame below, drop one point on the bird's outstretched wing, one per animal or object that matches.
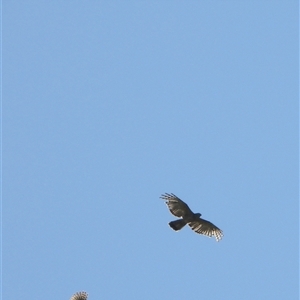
(80, 296)
(176, 206)
(207, 228)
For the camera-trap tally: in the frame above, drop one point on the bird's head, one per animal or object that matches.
(198, 215)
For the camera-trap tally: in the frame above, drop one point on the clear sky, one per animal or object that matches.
(109, 104)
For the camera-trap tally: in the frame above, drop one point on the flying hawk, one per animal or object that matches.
(180, 209)
(80, 296)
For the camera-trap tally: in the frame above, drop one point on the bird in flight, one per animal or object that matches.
(80, 296)
(180, 209)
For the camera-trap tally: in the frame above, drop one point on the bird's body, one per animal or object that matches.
(180, 209)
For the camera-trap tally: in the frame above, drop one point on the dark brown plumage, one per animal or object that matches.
(180, 209)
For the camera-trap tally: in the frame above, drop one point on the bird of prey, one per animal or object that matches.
(80, 296)
(180, 209)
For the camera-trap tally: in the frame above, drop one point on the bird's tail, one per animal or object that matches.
(177, 224)
(80, 296)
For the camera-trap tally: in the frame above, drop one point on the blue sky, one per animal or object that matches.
(109, 104)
